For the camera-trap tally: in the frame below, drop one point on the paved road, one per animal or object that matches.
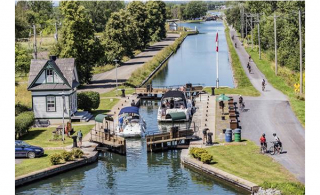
(271, 113)
(106, 81)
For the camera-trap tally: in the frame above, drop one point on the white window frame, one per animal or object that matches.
(51, 100)
(49, 76)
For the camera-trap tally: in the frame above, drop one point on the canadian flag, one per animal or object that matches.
(217, 43)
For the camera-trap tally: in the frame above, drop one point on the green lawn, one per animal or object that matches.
(105, 106)
(113, 93)
(101, 69)
(244, 86)
(279, 82)
(42, 136)
(22, 95)
(35, 164)
(246, 162)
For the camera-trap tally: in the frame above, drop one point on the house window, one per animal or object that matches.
(51, 103)
(49, 76)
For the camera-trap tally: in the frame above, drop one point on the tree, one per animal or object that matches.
(196, 9)
(100, 11)
(137, 10)
(77, 39)
(22, 60)
(156, 11)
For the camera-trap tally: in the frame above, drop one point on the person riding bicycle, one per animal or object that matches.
(249, 67)
(235, 45)
(263, 83)
(232, 37)
(240, 100)
(249, 57)
(277, 139)
(263, 140)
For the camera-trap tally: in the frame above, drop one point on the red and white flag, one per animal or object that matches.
(217, 43)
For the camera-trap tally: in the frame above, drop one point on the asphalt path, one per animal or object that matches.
(106, 81)
(271, 113)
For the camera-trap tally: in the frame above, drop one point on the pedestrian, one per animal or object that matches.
(120, 123)
(171, 103)
(133, 103)
(204, 132)
(80, 138)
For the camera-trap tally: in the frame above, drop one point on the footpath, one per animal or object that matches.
(105, 82)
(271, 113)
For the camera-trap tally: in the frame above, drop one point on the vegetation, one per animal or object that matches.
(77, 153)
(139, 75)
(67, 156)
(42, 136)
(287, 28)
(22, 60)
(19, 108)
(196, 9)
(105, 106)
(23, 122)
(201, 154)
(35, 164)
(88, 100)
(245, 161)
(283, 82)
(113, 93)
(22, 95)
(56, 158)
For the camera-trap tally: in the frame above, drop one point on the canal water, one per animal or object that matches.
(195, 60)
(137, 173)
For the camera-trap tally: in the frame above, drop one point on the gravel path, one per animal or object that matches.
(271, 113)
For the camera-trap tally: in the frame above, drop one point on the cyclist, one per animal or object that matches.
(240, 101)
(249, 57)
(263, 84)
(277, 139)
(232, 37)
(249, 67)
(263, 140)
(235, 45)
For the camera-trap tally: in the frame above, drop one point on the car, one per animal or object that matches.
(24, 149)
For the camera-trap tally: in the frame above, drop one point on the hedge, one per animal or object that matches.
(23, 122)
(19, 108)
(55, 158)
(77, 153)
(201, 154)
(88, 100)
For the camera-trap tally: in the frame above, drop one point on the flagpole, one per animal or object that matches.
(217, 63)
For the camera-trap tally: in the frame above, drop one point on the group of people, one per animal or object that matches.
(263, 140)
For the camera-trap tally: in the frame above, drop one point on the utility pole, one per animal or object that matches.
(116, 61)
(275, 43)
(251, 35)
(300, 36)
(246, 27)
(56, 37)
(242, 20)
(35, 41)
(259, 36)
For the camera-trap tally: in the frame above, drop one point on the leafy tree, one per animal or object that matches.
(22, 60)
(156, 11)
(77, 39)
(100, 11)
(196, 9)
(137, 10)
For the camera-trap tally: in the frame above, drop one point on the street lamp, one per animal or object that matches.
(63, 115)
(116, 61)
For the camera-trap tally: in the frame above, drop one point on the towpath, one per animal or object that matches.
(271, 113)
(106, 81)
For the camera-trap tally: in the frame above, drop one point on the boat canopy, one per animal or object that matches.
(177, 116)
(174, 94)
(99, 118)
(131, 109)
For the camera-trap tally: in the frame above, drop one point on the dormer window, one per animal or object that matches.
(49, 75)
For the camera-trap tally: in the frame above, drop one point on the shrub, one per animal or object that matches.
(20, 108)
(55, 158)
(286, 188)
(206, 158)
(67, 156)
(77, 153)
(88, 100)
(23, 122)
(197, 152)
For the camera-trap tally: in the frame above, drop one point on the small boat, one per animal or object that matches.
(174, 105)
(130, 123)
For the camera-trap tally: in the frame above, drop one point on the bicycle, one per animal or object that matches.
(242, 106)
(275, 148)
(263, 87)
(263, 149)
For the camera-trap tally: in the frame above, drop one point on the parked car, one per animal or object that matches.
(23, 149)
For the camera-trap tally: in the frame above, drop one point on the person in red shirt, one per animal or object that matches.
(263, 140)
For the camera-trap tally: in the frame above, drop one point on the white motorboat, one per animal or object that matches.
(175, 105)
(130, 123)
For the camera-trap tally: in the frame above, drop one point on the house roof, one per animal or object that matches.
(64, 67)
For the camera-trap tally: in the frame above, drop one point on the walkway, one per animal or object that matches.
(271, 113)
(106, 81)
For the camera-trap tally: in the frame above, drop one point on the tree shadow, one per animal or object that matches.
(32, 134)
(96, 112)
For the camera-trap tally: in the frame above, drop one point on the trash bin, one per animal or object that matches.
(237, 135)
(123, 93)
(228, 135)
(74, 141)
(210, 138)
(212, 90)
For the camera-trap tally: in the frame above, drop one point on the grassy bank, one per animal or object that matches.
(105, 106)
(113, 93)
(246, 162)
(244, 86)
(22, 95)
(139, 75)
(35, 164)
(283, 82)
(42, 136)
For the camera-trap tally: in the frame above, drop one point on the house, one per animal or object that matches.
(53, 84)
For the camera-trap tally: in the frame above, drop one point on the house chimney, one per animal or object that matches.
(53, 58)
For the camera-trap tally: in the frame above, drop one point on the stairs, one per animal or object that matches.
(82, 116)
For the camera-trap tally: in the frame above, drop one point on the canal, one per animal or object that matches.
(137, 173)
(195, 60)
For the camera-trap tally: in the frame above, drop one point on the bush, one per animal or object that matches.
(206, 158)
(67, 156)
(55, 158)
(286, 188)
(197, 152)
(77, 153)
(23, 122)
(20, 108)
(88, 100)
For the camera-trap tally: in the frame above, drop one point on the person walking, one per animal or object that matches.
(133, 103)
(80, 138)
